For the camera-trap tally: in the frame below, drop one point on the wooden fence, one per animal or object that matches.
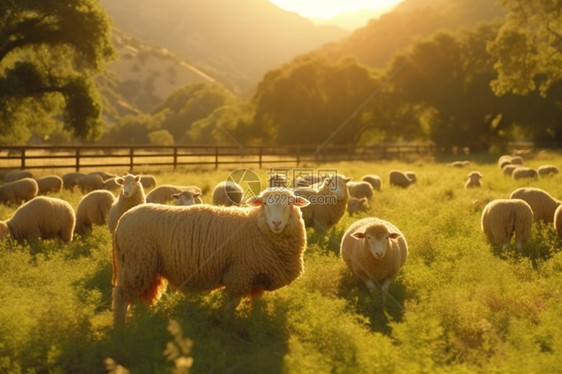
(136, 157)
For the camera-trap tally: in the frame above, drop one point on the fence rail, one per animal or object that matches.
(135, 157)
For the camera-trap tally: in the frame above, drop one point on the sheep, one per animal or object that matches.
(131, 194)
(374, 180)
(459, 164)
(70, 180)
(328, 202)
(164, 193)
(558, 220)
(90, 182)
(42, 217)
(502, 218)
(504, 160)
(473, 180)
(540, 201)
(355, 205)
(15, 175)
(228, 193)
(187, 197)
(522, 172)
(508, 169)
(517, 160)
(398, 178)
(360, 189)
(547, 170)
(93, 209)
(148, 181)
(19, 191)
(205, 247)
(50, 183)
(375, 250)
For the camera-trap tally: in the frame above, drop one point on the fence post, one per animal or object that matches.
(131, 159)
(23, 158)
(175, 157)
(260, 156)
(298, 155)
(216, 157)
(77, 156)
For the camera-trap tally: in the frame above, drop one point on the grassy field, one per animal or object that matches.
(459, 305)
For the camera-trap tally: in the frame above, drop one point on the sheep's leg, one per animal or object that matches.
(371, 286)
(120, 306)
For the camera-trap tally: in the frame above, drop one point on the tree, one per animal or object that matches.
(50, 52)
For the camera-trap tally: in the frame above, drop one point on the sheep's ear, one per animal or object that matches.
(363, 200)
(300, 201)
(347, 180)
(256, 201)
(394, 235)
(137, 178)
(196, 194)
(176, 195)
(358, 235)
(119, 180)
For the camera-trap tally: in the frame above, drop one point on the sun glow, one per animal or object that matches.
(330, 8)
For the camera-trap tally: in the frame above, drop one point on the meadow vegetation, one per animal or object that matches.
(458, 305)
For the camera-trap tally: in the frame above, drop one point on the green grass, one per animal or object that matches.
(458, 305)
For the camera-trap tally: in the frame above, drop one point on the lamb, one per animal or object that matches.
(360, 189)
(228, 193)
(473, 180)
(50, 183)
(540, 201)
(204, 247)
(328, 202)
(93, 209)
(374, 180)
(132, 194)
(70, 180)
(522, 172)
(19, 191)
(42, 217)
(375, 250)
(502, 218)
(90, 182)
(398, 178)
(558, 221)
(148, 181)
(547, 170)
(187, 198)
(355, 205)
(15, 175)
(164, 193)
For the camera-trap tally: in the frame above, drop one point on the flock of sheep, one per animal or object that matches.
(244, 247)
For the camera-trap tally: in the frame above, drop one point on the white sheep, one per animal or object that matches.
(540, 201)
(374, 180)
(93, 209)
(42, 217)
(504, 160)
(328, 202)
(90, 182)
(19, 191)
(558, 220)
(375, 250)
(547, 170)
(522, 172)
(50, 183)
(131, 194)
(205, 247)
(15, 175)
(473, 180)
(228, 193)
(164, 193)
(70, 180)
(148, 181)
(398, 178)
(187, 197)
(355, 205)
(503, 218)
(360, 189)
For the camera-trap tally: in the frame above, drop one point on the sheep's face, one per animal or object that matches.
(278, 206)
(376, 239)
(475, 177)
(185, 198)
(130, 183)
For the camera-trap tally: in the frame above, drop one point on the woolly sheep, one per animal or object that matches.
(42, 217)
(148, 181)
(547, 170)
(227, 193)
(204, 247)
(93, 209)
(398, 178)
(558, 220)
(473, 180)
(360, 189)
(355, 205)
(15, 175)
(70, 180)
(19, 191)
(374, 180)
(540, 201)
(508, 169)
(502, 218)
(375, 250)
(517, 160)
(328, 202)
(50, 183)
(90, 182)
(522, 172)
(504, 160)
(187, 198)
(164, 193)
(131, 194)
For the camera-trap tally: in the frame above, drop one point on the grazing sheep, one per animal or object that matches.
(93, 209)
(205, 247)
(522, 172)
(90, 182)
(517, 160)
(228, 193)
(360, 189)
(547, 170)
(459, 164)
(18, 191)
(375, 250)
(70, 180)
(374, 180)
(148, 181)
(187, 198)
(132, 194)
(473, 180)
(15, 175)
(50, 183)
(540, 201)
(328, 202)
(355, 205)
(508, 169)
(164, 193)
(398, 178)
(42, 217)
(504, 160)
(558, 220)
(502, 218)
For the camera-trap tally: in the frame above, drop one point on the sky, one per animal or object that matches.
(330, 8)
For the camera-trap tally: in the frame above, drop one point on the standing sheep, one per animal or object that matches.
(42, 217)
(374, 180)
(187, 198)
(93, 209)
(360, 189)
(50, 183)
(508, 169)
(90, 182)
(502, 218)
(398, 178)
(15, 175)
(522, 172)
(70, 180)
(164, 193)
(355, 205)
(327, 204)
(19, 191)
(547, 170)
(205, 247)
(473, 180)
(228, 193)
(375, 250)
(132, 194)
(540, 201)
